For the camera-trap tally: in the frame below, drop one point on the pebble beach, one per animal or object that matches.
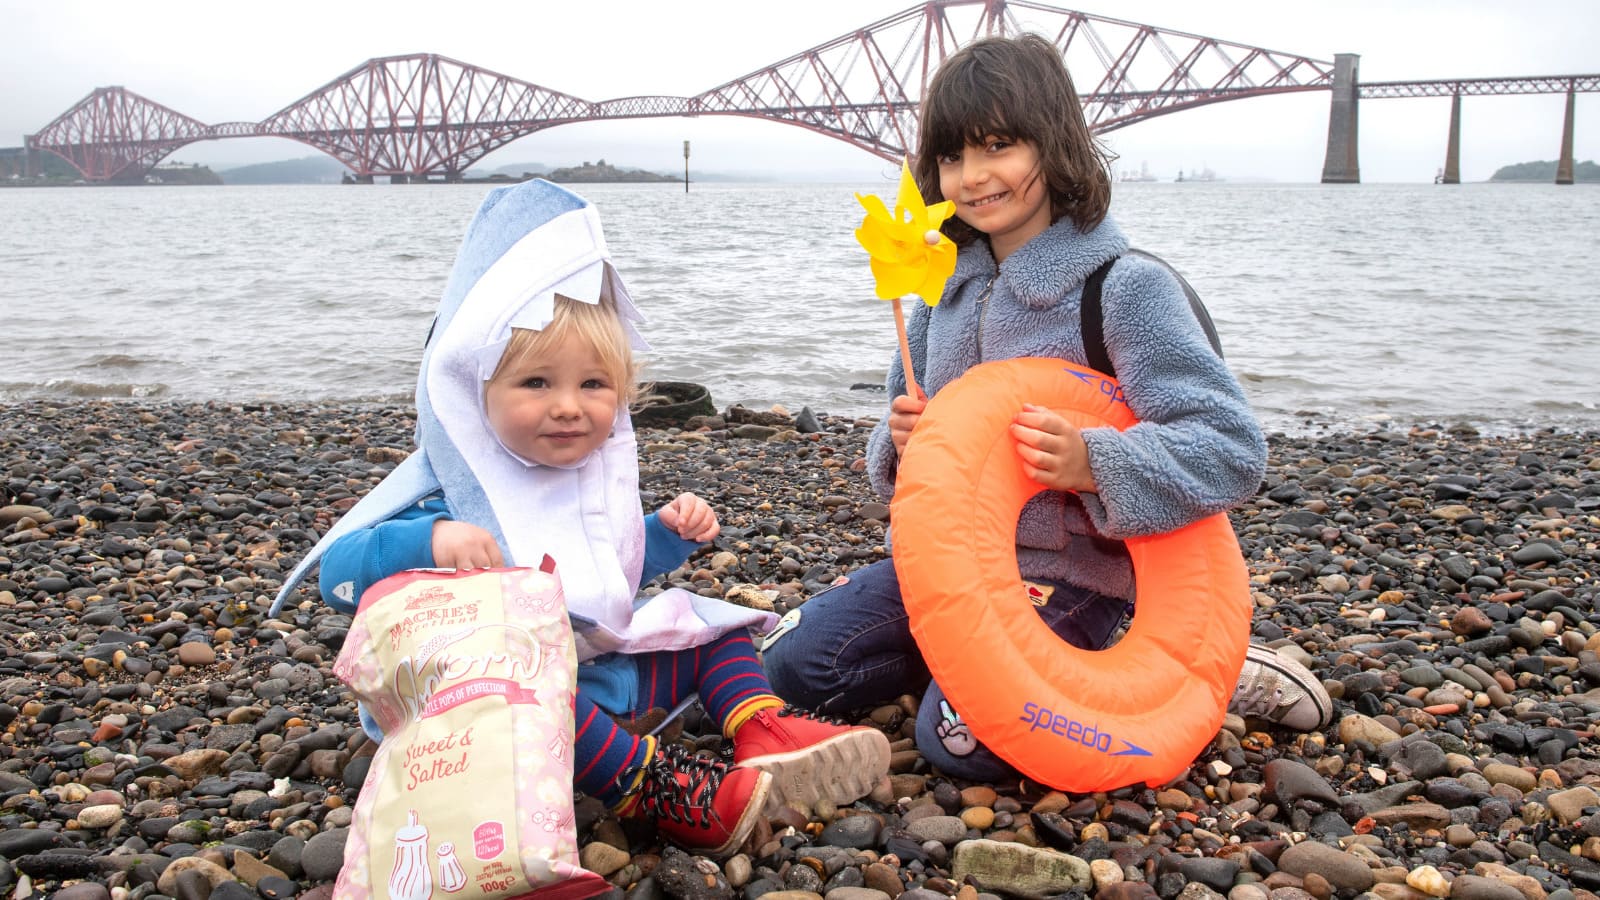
(162, 736)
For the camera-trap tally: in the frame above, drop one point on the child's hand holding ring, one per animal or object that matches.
(1052, 450)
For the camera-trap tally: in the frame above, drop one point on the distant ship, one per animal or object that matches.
(1204, 174)
(1142, 175)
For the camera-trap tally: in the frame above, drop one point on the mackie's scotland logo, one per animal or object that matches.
(433, 596)
(1077, 732)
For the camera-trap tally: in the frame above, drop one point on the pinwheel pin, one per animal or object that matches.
(909, 254)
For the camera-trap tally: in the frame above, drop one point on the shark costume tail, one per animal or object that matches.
(526, 244)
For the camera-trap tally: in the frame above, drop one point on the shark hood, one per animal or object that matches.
(526, 244)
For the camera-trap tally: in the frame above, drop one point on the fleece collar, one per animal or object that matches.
(1047, 268)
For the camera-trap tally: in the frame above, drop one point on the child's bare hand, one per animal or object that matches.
(1052, 450)
(904, 413)
(691, 518)
(462, 545)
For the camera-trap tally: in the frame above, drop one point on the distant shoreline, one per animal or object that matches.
(1311, 428)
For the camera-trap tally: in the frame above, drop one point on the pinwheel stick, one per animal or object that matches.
(905, 352)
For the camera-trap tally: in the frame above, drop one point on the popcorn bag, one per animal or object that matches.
(471, 677)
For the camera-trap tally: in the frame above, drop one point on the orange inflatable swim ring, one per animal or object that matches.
(1078, 720)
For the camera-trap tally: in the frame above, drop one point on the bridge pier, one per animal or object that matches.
(1564, 163)
(33, 165)
(1341, 165)
(1452, 150)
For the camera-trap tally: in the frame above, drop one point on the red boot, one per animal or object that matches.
(811, 758)
(702, 805)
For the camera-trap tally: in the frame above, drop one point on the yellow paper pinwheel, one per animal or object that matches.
(909, 253)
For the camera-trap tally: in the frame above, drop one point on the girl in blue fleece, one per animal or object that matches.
(1003, 136)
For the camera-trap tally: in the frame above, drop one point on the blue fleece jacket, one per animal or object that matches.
(1197, 449)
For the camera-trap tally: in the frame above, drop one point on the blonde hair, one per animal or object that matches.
(597, 325)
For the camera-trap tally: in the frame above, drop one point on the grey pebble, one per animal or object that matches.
(324, 855)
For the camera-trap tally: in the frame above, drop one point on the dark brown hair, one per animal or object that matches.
(1016, 88)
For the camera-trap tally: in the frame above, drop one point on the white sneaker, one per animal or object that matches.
(1274, 688)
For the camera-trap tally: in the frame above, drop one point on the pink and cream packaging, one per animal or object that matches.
(471, 677)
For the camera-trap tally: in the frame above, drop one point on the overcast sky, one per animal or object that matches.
(221, 62)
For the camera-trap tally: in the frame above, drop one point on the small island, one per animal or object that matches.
(1544, 171)
(604, 171)
(180, 173)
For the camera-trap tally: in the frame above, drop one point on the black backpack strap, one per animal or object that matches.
(1093, 319)
(1094, 333)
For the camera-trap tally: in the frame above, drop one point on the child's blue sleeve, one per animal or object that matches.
(1197, 449)
(363, 558)
(663, 549)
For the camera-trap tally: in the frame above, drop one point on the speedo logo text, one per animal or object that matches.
(1042, 718)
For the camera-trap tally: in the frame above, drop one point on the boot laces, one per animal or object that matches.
(1257, 697)
(800, 713)
(665, 795)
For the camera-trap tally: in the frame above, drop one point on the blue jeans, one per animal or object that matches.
(850, 647)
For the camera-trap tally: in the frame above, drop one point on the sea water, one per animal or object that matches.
(1339, 306)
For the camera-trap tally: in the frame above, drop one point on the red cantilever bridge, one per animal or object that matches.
(426, 116)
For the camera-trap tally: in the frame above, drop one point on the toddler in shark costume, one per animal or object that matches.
(525, 449)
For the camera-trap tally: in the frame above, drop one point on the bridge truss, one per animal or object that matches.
(426, 115)
(114, 130)
(1479, 87)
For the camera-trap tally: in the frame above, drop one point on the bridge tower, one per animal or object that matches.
(1564, 161)
(1341, 165)
(1452, 149)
